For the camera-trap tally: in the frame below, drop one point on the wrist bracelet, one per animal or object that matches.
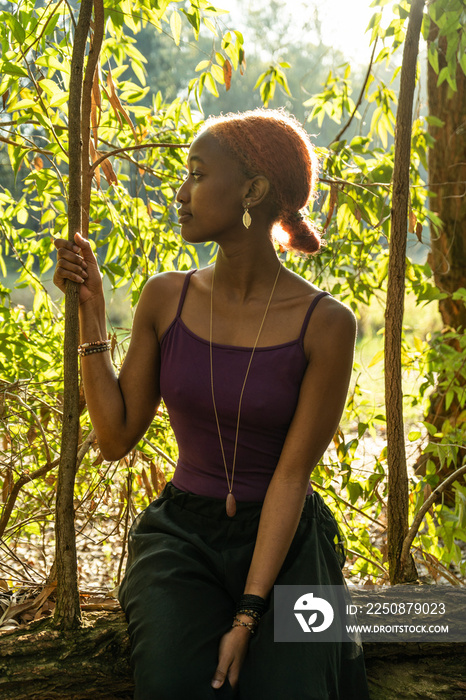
(252, 605)
(96, 346)
(240, 623)
(250, 613)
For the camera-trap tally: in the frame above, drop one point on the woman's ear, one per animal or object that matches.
(257, 191)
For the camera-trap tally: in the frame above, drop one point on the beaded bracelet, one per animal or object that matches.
(250, 613)
(91, 351)
(240, 623)
(96, 346)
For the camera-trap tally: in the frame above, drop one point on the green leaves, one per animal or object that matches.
(13, 69)
(175, 25)
(218, 69)
(445, 30)
(268, 81)
(354, 210)
(135, 234)
(16, 27)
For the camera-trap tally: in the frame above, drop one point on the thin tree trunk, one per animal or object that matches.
(91, 68)
(396, 455)
(68, 614)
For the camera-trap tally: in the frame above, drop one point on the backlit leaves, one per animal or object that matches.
(133, 224)
(267, 82)
(218, 69)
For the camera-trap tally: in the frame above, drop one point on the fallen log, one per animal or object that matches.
(416, 671)
(39, 662)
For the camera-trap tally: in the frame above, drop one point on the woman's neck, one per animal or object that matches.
(247, 270)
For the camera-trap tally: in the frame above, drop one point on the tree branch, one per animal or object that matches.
(361, 95)
(15, 397)
(27, 148)
(38, 38)
(22, 481)
(92, 62)
(371, 561)
(423, 510)
(136, 148)
(160, 452)
(347, 504)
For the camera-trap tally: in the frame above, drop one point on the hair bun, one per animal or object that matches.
(274, 144)
(298, 233)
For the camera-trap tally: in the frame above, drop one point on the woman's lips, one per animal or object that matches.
(183, 218)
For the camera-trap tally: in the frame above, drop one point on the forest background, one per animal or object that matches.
(162, 68)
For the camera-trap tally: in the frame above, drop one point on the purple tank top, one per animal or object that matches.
(269, 402)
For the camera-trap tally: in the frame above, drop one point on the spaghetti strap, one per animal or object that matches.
(184, 292)
(308, 315)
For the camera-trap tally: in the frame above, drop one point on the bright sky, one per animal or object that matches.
(343, 23)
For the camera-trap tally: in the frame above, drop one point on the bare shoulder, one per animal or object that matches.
(335, 316)
(329, 310)
(332, 330)
(160, 298)
(330, 320)
(332, 326)
(164, 284)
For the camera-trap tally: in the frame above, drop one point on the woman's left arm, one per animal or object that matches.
(329, 346)
(322, 398)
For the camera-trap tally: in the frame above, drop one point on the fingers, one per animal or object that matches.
(84, 247)
(233, 676)
(218, 678)
(71, 264)
(220, 675)
(232, 650)
(80, 246)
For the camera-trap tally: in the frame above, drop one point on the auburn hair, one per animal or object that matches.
(271, 143)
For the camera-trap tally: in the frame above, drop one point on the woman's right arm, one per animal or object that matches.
(121, 408)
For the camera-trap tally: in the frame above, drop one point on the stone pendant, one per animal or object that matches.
(231, 505)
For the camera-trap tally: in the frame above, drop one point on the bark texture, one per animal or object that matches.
(421, 675)
(67, 613)
(400, 571)
(92, 663)
(447, 182)
(90, 81)
(89, 663)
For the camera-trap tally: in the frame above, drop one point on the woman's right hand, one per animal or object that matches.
(77, 262)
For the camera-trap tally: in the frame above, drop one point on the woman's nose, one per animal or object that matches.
(183, 193)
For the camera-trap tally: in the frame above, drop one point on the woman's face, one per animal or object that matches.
(212, 195)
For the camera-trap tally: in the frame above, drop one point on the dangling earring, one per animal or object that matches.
(246, 216)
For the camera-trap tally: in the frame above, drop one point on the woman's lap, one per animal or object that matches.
(175, 627)
(185, 574)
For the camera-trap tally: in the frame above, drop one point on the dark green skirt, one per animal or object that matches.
(187, 567)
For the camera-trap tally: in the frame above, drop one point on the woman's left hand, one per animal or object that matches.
(231, 654)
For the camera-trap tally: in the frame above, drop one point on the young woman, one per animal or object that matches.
(253, 363)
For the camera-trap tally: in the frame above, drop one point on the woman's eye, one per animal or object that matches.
(194, 174)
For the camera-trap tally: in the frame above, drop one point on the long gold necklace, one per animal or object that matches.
(230, 500)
